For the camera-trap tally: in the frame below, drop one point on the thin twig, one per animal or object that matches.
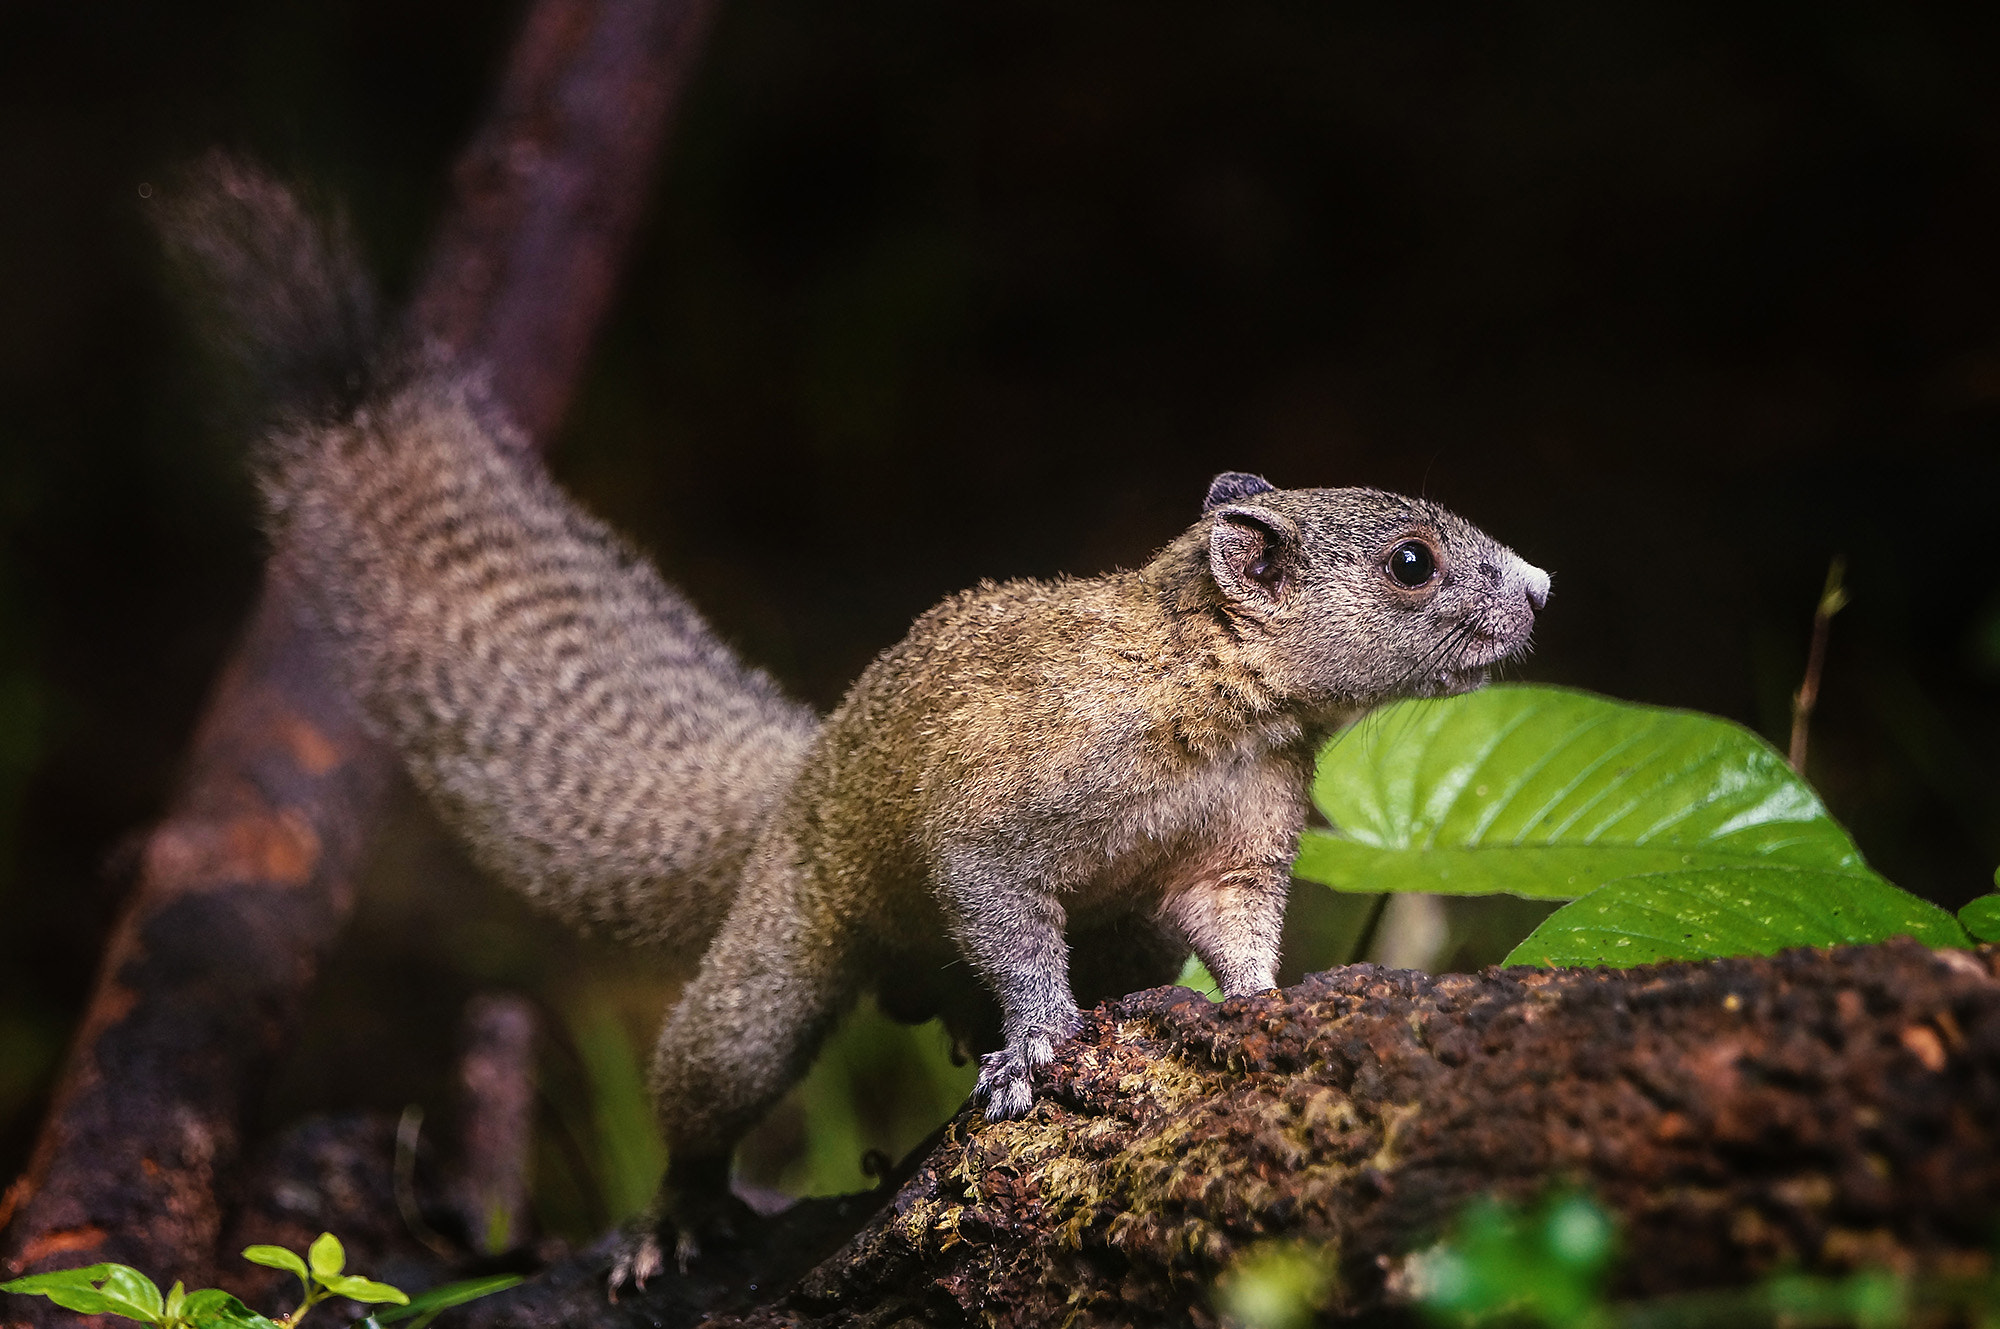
(1831, 600)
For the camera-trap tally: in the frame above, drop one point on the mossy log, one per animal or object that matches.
(1815, 1110)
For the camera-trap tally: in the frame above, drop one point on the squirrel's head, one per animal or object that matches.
(1354, 596)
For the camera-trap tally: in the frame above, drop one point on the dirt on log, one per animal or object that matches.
(1816, 1110)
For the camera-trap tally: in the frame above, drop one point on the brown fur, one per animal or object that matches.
(1046, 788)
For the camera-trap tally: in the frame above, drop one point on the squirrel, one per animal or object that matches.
(1048, 790)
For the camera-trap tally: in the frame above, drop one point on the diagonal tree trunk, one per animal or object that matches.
(249, 875)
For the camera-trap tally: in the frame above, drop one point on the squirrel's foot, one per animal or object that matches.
(1003, 1085)
(688, 1223)
(637, 1259)
(1006, 1084)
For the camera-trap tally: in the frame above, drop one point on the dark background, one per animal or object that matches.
(1678, 300)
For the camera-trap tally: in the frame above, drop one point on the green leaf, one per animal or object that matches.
(1549, 793)
(98, 1289)
(132, 1294)
(449, 1295)
(212, 1308)
(1745, 910)
(1194, 974)
(72, 1289)
(83, 1301)
(326, 1256)
(363, 1289)
(1276, 1286)
(203, 1301)
(1981, 918)
(1542, 1264)
(1867, 1298)
(275, 1257)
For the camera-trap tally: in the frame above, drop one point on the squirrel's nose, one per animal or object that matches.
(1534, 582)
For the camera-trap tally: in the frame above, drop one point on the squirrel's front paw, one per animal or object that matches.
(1003, 1085)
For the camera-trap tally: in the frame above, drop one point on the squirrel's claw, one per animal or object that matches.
(687, 1248)
(637, 1260)
(1003, 1085)
(690, 1222)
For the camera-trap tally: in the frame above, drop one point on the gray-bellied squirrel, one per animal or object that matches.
(1066, 785)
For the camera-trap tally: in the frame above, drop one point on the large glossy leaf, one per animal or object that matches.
(1550, 793)
(1745, 910)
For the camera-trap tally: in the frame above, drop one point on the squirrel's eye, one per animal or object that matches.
(1412, 564)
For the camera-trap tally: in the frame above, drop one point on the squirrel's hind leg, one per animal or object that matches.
(772, 986)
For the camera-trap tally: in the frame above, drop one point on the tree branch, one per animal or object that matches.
(249, 875)
(1814, 1110)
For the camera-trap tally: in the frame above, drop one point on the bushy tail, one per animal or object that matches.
(278, 291)
(568, 711)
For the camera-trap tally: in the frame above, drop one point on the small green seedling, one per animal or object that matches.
(321, 1275)
(118, 1289)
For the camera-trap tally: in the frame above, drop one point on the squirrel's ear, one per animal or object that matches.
(1251, 554)
(1233, 487)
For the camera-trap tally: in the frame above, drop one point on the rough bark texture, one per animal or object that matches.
(1815, 1110)
(242, 887)
(249, 875)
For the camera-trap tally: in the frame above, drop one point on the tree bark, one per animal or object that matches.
(1815, 1110)
(249, 875)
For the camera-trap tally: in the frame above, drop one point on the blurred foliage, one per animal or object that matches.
(1545, 1263)
(629, 1156)
(878, 1087)
(1548, 1264)
(1275, 1285)
(1194, 974)
(1981, 916)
